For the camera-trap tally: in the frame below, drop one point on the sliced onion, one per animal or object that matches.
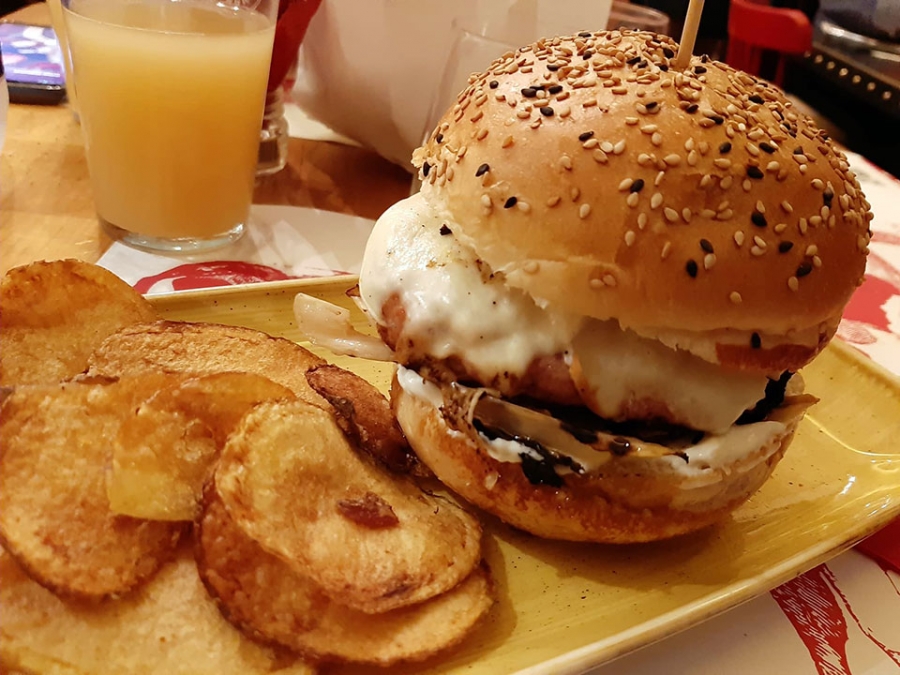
(327, 325)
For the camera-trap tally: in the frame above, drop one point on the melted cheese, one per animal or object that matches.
(452, 309)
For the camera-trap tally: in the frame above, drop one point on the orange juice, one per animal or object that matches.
(171, 97)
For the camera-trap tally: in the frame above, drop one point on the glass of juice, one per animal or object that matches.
(59, 27)
(171, 96)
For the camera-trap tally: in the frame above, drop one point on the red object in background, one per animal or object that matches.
(754, 27)
(192, 276)
(293, 20)
(884, 546)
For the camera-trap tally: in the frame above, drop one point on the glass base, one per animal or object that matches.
(146, 242)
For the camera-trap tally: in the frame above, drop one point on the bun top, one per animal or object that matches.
(597, 177)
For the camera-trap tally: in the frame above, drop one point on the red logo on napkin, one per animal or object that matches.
(192, 276)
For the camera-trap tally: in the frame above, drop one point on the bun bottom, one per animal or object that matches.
(628, 500)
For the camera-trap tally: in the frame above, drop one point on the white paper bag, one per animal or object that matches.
(369, 69)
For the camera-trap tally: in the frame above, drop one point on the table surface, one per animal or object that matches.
(48, 210)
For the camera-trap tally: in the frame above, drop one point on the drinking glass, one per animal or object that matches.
(171, 97)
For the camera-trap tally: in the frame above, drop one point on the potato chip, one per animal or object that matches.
(205, 348)
(55, 444)
(293, 482)
(364, 414)
(54, 314)
(170, 626)
(164, 452)
(265, 598)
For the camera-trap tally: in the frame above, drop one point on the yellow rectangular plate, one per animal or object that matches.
(566, 607)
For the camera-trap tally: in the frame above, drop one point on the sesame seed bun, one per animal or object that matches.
(599, 178)
(628, 500)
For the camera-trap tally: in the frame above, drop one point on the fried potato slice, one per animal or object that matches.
(55, 444)
(372, 540)
(170, 626)
(268, 600)
(364, 414)
(54, 314)
(205, 348)
(164, 452)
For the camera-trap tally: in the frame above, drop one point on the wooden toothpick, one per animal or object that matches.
(689, 34)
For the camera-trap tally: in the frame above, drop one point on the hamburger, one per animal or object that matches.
(600, 298)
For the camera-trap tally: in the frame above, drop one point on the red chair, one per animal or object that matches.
(755, 27)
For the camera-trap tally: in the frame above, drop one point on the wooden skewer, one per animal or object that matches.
(689, 34)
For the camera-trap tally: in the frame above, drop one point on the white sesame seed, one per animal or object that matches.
(800, 159)
(706, 180)
(773, 166)
(631, 121)
(757, 251)
(666, 249)
(642, 220)
(793, 283)
(531, 267)
(564, 111)
(632, 199)
(599, 156)
(787, 207)
(753, 150)
(779, 228)
(735, 297)
(644, 159)
(692, 158)
(825, 212)
(565, 162)
(619, 147)
(609, 280)
(738, 238)
(803, 225)
(649, 129)
(626, 184)
(708, 213)
(703, 147)
(817, 184)
(726, 182)
(671, 214)
(812, 249)
(722, 163)
(584, 211)
(574, 193)
(486, 201)
(659, 178)
(524, 207)
(817, 261)
(746, 185)
(553, 201)
(656, 200)
(832, 221)
(759, 241)
(686, 214)
(630, 238)
(672, 160)
(815, 221)
(595, 283)
(508, 141)
(590, 143)
(656, 139)
(482, 134)
(523, 114)
(803, 168)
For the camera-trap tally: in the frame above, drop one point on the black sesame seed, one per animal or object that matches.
(691, 268)
(785, 246)
(754, 172)
(493, 84)
(755, 341)
(439, 138)
(637, 185)
(588, 54)
(718, 119)
(538, 87)
(553, 67)
(699, 70)
(663, 67)
(481, 170)
(509, 203)
(765, 147)
(692, 108)
(426, 167)
(725, 148)
(758, 219)
(804, 269)
(585, 136)
(668, 53)
(546, 111)
(650, 105)
(584, 34)
(704, 58)
(529, 92)
(799, 150)
(756, 98)
(555, 89)
(827, 197)
(445, 230)
(642, 64)
(706, 245)
(633, 60)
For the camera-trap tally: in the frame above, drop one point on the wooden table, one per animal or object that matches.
(46, 206)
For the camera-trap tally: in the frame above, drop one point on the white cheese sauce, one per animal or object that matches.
(450, 308)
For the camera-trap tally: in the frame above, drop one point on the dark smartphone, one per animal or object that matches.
(33, 63)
